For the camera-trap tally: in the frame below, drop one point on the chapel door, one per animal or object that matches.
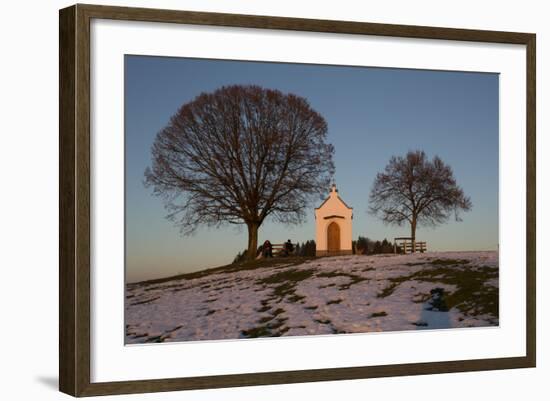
(333, 237)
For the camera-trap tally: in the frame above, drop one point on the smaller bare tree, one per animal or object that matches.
(417, 191)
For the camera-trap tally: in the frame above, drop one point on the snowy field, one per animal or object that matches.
(296, 297)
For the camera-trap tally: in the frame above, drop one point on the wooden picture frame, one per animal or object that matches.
(74, 200)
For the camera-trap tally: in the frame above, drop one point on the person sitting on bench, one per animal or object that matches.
(288, 248)
(267, 249)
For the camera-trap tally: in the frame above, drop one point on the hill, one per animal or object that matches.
(294, 296)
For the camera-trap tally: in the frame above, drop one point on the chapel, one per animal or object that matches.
(333, 226)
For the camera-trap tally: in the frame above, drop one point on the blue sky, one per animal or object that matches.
(372, 114)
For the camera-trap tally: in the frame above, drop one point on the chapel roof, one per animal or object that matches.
(334, 192)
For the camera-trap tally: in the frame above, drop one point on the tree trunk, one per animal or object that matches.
(413, 234)
(252, 240)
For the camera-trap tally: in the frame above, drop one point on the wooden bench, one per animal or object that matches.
(406, 245)
(277, 249)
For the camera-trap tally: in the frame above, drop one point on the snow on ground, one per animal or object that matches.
(344, 294)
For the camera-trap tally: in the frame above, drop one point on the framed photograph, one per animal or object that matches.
(250, 200)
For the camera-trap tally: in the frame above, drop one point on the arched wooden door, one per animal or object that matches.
(333, 237)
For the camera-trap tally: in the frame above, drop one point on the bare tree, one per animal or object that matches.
(239, 155)
(415, 190)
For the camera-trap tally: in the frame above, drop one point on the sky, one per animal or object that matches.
(372, 114)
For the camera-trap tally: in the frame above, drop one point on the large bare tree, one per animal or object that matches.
(417, 191)
(239, 155)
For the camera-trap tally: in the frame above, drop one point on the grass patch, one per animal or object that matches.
(292, 275)
(156, 339)
(354, 279)
(223, 288)
(260, 331)
(231, 268)
(295, 298)
(278, 311)
(265, 319)
(394, 282)
(331, 274)
(268, 326)
(277, 324)
(378, 314)
(472, 297)
(286, 282)
(440, 262)
(146, 301)
(449, 262)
